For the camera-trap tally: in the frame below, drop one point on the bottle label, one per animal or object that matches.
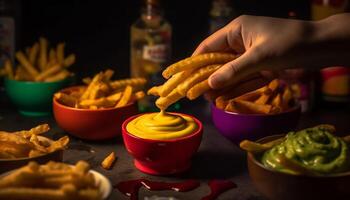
(7, 39)
(156, 53)
(336, 81)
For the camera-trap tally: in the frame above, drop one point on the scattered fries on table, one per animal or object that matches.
(102, 92)
(50, 181)
(108, 161)
(26, 143)
(188, 78)
(40, 63)
(273, 98)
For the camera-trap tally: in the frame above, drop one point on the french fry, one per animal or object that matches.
(87, 80)
(60, 52)
(38, 147)
(173, 82)
(277, 101)
(134, 82)
(164, 102)
(108, 161)
(33, 53)
(196, 62)
(198, 76)
(198, 90)
(255, 147)
(40, 129)
(69, 60)
(58, 76)
(221, 102)
(154, 90)
(25, 63)
(286, 97)
(9, 69)
(251, 107)
(263, 99)
(97, 78)
(42, 61)
(52, 58)
(21, 74)
(115, 97)
(107, 75)
(66, 99)
(231, 107)
(48, 72)
(139, 95)
(273, 85)
(125, 97)
(101, 102)
(58, 144)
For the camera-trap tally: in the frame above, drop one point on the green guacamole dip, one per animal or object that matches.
(314, 148)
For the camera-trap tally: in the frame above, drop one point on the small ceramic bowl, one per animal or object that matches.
(237, 127)
(10, 164)
(162, 157)
(100, 124)
(277, 185)
(34, 98)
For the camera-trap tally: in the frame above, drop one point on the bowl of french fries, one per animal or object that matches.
(20, 147)
(40, 72)
(54, 180)
(266, 111)
(96, 111)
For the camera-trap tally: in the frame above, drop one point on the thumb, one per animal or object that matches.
(234, 71)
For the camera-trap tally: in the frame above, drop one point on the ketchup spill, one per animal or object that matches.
(218, 187)
(131, 188)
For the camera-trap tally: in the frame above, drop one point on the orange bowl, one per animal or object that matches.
(88, 124)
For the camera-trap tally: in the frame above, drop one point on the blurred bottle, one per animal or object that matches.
(221, 13)
(301, 81)
(150, 47)
(7, 31)
(335, 81)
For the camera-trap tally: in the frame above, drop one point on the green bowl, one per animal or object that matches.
(34, 98)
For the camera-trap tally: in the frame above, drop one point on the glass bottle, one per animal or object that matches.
(150, 48)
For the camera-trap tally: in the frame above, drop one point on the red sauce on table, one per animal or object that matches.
(218, 187)
(131, 188)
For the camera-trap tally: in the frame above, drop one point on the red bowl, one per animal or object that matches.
(91, 124)
(162, 157)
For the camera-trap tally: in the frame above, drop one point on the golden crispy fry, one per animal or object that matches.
(126, 97)
(134, 82)
(251, 107)
(33, 53)
(198, 76)
(108, 161)
(65, 99)
(164, 102)
(42, 61)
(198, 89)
(196, 62)
(97, 91)
(97, 78)
(173, 82)
(9, 68)
(58, 76)
(37, 145)
(154, 90)
(101, 102)
(58, 144)
(231, 107)
(254, 95)
(48, 72)
(22, 75)
(40, 129)
(114, 97)
(60, 52)
(107, 75)
(221, 102)
(273, 85)
(263, 99)
(25, 63)
(69, 60)
(277, 101)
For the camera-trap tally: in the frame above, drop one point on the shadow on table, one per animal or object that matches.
(216, 165)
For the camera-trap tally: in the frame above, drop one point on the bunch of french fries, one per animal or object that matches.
(40, 63)
(102, 92)
(26, 143)
(188, 78)
(50, 181)
(270, 99)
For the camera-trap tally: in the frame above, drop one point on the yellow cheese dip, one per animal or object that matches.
(161, 126)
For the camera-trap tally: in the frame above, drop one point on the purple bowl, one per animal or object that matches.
(237, 127)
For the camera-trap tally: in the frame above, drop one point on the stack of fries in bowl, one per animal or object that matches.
(41, 71)
(20, 147)
(266, 111)
(54, 180)
(96, 110)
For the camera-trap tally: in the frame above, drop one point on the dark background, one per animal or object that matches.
(98, 31)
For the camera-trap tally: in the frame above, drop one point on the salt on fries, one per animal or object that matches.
(188, 78)
(272, 98)
(102, 92)
(40, 63)
(50, 181)
(22, 144)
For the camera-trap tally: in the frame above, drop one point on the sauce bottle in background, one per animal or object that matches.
(335, 81)
(150, 48)
(221, 13)
(7, 32)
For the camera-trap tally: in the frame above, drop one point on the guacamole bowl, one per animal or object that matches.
(34, 98)
(277, 185)
(99, 124)
(162, 157)
(237, 127)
